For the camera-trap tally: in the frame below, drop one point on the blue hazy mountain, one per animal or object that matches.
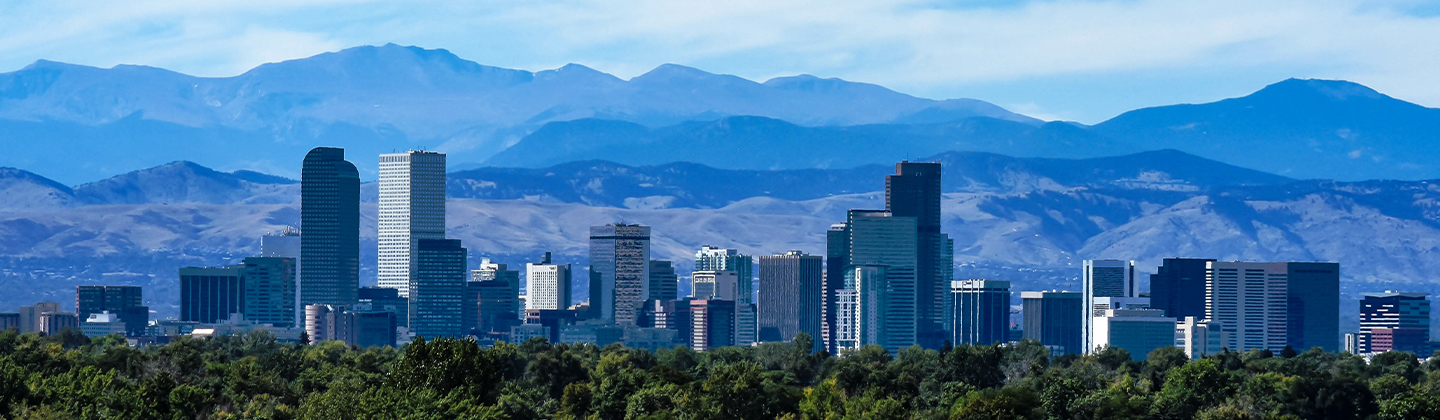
(759, 143)
(1301, 128)
(82, 123)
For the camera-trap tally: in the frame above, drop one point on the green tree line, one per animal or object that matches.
(67, 375)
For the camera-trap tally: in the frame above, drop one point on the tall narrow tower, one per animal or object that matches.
(411, 208)
(330, 220)
(620, 266)
(914, 191)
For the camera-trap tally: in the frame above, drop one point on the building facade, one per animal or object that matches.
(1248, 301)
(1401, 319)
(437, 289)
(712, 324)
(211, 294)
(270, 291)
(1104, 278)
(1178, 287)
(620, 266)
(411, 208)
(664, 283)
(878, 238)
(124, 302)
(286, 244)
(493, 298)
(547, 285)
(1138, 331)
(791, 296)
(330, 222)
(982, 311)
(914, 191)
(1053, 318)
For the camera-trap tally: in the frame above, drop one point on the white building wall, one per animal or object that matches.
(411, 207)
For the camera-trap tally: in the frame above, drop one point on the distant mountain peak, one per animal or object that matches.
(669, 72)
(1331, 89)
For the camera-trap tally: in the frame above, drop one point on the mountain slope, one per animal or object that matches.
(1300, 128)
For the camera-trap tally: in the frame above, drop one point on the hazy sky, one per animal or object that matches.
(1074, 60)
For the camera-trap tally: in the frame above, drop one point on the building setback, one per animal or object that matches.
(791, 296)
(437, 289)
(620, 269)
(411, 208)
(914, 191)
(330, 222)
(1053, 318)
(982, 311)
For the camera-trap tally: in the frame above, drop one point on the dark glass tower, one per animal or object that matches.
(437, 289)
(1178, 287)
(329, 228)
(620, 258)
(837, 257)
(1053, 318)
(124, 301)
(914, 191)
(790, 296)
(1313, 306)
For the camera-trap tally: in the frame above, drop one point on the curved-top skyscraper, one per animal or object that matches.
(329, 228)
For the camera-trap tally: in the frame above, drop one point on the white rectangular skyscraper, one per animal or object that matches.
(547, 285)
(411, 208)
(1248, 300)
(1104, 278)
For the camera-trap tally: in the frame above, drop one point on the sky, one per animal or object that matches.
(1083, 61)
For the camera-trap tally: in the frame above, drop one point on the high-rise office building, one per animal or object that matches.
(547, 285)
(357, 327)
(1053, 318)
(620, 269)
(286, 244)
(710, 258)
(411, 208)
(1313, 296)
(1248, 301)
(982, 311)
(1198, 337)
(712, 324)
(664, 283)
(723, 285)
(1400, 320)
(124, 302)
(878, 238)
(492, 298)
(330, 222)
(791, 295)
(1138, 331)
(1104, 278)
(837, 257)
(270, 291)
(211, 294)
(859, 310)
(1178, 287)
(377, 298)
(437, 289)
(914, 191)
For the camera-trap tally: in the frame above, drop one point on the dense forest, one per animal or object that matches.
(67, 375)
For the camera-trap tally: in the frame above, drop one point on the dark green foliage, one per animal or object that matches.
(252, 376)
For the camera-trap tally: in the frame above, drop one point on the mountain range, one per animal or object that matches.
(81, 123)
(1028, 220)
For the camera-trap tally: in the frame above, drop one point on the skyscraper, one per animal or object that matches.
(1053, 318)
(1178, 287)
(878, 238)
(663, 281)
(712, 324)
(1313, 297)
(982, 311)
(122, 301)
(270, 291)
(710, 258)
(914, 191)
(492, 298)
(837, 257)
(1248, 301)
(411, 208)
(547, 285)
(437, 288)
(330, 222)
(723, 285)
(791, 295)
(1104, 278)
(211, 294)
(1400, 321)
(620, 263)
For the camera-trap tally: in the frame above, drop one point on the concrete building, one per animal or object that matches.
(712, 259)
(411, 208)
(102, 324)
(330, 220)
(1248, 301)
(982, 311)
(860, 311)
(1053, 318)
(286, 244)
(211, 294)
(712, 324)
(437, 287)
(1395, 321)
(30, 315)
(791, 296)
(722, 285)
(1138, 331)
(54, 322)
(269, 296)
(547, 285)
(1198, 338)
(914, 192)
(620, 270)
(361, 328)
(1104, 278)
